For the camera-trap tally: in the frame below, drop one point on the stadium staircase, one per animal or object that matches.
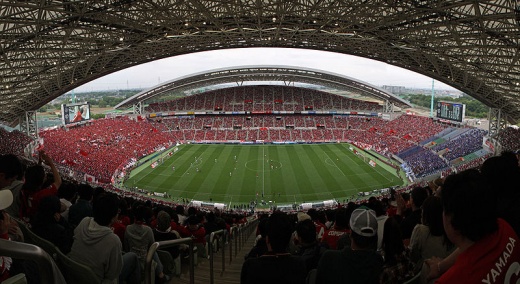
(231, 273)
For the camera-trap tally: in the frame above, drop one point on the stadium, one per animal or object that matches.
(260, 138)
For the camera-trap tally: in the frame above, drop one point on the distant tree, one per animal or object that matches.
(97, 116)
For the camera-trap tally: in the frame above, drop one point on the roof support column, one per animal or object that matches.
(388, 107)
(138, 108)
(497, 121)
(29, 124)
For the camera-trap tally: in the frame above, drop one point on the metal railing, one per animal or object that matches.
(233, 233)
(148, 274)
(220, 235)
(32, 252)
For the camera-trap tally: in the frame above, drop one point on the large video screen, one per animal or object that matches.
(451, 111)
(75, 113)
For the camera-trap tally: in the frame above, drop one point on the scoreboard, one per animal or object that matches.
(451, 111)
(75, 113)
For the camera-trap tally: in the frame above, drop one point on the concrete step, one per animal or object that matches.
(231, 274)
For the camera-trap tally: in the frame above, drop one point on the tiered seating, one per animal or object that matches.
(509, 138)
(13, 142)
(264, 98)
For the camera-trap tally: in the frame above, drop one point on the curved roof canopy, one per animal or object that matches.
(50, 47)
(286, 74)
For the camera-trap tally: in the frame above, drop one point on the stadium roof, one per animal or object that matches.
(50, 47)
(286, 74)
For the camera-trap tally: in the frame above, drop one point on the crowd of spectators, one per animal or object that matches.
(424, 162)
(13, 142)
(460, 146)
(264, 99)
(89, 149)
(509, 139)
(99, 148)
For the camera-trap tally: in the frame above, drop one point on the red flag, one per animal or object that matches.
(83, 153)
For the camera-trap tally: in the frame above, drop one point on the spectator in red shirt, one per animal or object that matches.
(340, 228)
(32, 191)
(487, 245)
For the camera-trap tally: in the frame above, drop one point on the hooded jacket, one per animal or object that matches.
(99, 248)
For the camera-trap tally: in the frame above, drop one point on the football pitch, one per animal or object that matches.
(237, 174)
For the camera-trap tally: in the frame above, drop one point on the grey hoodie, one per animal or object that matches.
(99, 248)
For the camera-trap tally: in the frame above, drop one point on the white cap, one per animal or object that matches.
(364, 222)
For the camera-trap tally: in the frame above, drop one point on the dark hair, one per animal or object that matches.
(68, 191)
(464, 197)
(11, 166)
(85, 191)
(210, 217)
(140, 213)
(503, 172)
(48, 206)
(313, 213)
(279, 231)
(419, 194)
(306, 230)
(105, 208)
(341, 218)
(392, 240)
(432, 217)
(262, 227)
(179, 209)
(364, 242)
(377, 206)
(34, 177)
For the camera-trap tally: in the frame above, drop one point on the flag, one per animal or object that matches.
(83, 153)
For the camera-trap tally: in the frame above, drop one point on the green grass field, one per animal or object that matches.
(234, 174)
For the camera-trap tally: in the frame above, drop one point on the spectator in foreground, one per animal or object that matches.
(277, 265)
(397, 268)
(50, 225)
(358, 263)
(487, 246)
(408, 223)
(32, 191)
(11, 176)
(96, 246)
(308, 247)
(83, 206)
(260, 247)
(429, 238)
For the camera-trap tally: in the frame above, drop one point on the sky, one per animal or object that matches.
(150, 74)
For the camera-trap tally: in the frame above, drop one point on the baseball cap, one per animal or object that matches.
(6, 198)
(363, 222)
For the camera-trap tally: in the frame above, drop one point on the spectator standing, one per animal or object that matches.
(309, 249)
(408, 223)
(50, 225)
(340, 228)
(277, 265)
(359, 263)
(429, 238)
(487, 246)
(32, 192)
(138, 239)
(96, 246)
(397, 268)
(83, 206)
(11, 176)
(164, 232)
(67, 194)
